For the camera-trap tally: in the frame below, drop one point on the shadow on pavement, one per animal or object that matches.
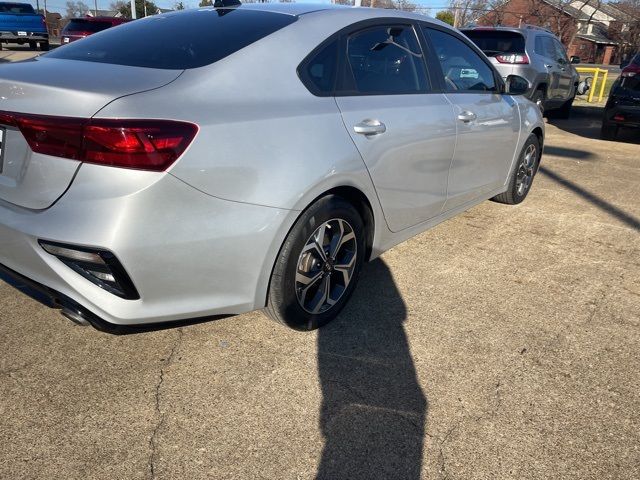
(567, 152)
(373, 410)
(586, 121)
(609, 208)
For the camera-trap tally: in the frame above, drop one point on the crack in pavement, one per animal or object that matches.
(153, 440)
(442, 463)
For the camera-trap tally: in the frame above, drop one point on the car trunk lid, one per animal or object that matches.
(65, 88)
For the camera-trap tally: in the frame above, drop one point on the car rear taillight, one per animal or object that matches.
(515, 58)
(141, 144)
(630, 71)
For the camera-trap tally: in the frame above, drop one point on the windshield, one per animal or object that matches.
(19, 8)
(494, 42)
(176, 41)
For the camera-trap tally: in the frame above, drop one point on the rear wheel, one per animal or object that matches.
(44, 46)
(318, 265)
(565, 110)
(538, 99)
(608, 132)
(33, 45)
(523, 174)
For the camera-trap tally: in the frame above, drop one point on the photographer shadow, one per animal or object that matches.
(373, 409)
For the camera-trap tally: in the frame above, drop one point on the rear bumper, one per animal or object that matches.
(188, 254)
(623, 115)
(29, 37)
(53, 299)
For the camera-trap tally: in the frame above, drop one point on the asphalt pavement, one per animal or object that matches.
(500, 344)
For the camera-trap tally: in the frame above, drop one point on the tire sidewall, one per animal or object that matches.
(517, 198)
(283, 278)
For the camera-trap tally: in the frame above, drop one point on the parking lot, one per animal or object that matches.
(501, 344)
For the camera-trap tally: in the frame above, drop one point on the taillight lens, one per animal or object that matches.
(515, 58)
(141, 144)
(630, 71)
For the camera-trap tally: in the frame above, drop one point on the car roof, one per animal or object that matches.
(523, 30)
(354, 13)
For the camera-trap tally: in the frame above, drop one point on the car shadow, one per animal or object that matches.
(595, 200)
(568, 152)
(373, 409)
(586, 121)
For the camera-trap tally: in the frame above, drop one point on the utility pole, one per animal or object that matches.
(133, 9)
(358, 3)
(95, 10)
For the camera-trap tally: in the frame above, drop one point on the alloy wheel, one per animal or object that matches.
(325, 266)
(526, 170)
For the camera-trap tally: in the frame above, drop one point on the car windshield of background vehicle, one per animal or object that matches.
(387, 61)
(496, 42)
(463, 68)
(176, 41)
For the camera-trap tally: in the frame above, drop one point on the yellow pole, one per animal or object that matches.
(593, 85)
(604, 81)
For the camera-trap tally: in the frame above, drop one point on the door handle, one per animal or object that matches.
(370, 127)
(467, 116)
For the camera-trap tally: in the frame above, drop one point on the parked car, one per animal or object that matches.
(78, 28)
(623, 106)
(19, 23)
(255, 161)
(535, 54)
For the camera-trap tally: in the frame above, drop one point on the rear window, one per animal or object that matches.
(86, 26)
(176, 41)
(16, 8)
(495, 42)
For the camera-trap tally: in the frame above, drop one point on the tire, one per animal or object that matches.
(33, 45)
(564, 111)
(608, 132)
(295, 297)
(538, 99)
(44, 46)
(523, 174)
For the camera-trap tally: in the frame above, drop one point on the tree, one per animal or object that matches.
(445, 16)
(206, 3)
(76, 9)
(466, 12)
(179, 6)
(125, 8)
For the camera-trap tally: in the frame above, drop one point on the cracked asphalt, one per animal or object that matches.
(501, 344)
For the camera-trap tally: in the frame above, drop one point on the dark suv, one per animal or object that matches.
(623, 106)
(535, 54)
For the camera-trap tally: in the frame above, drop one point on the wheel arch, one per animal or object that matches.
(354, 195)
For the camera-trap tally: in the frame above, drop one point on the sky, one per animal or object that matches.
(59, 5)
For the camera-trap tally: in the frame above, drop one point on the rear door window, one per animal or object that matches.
(496, 42)
(176, 41)
(544, 46)
(386, 60)
(17, 8)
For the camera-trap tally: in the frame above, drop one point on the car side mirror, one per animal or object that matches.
(516, 85)
(575, 59)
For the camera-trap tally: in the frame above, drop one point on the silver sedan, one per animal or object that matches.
(220, 160)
